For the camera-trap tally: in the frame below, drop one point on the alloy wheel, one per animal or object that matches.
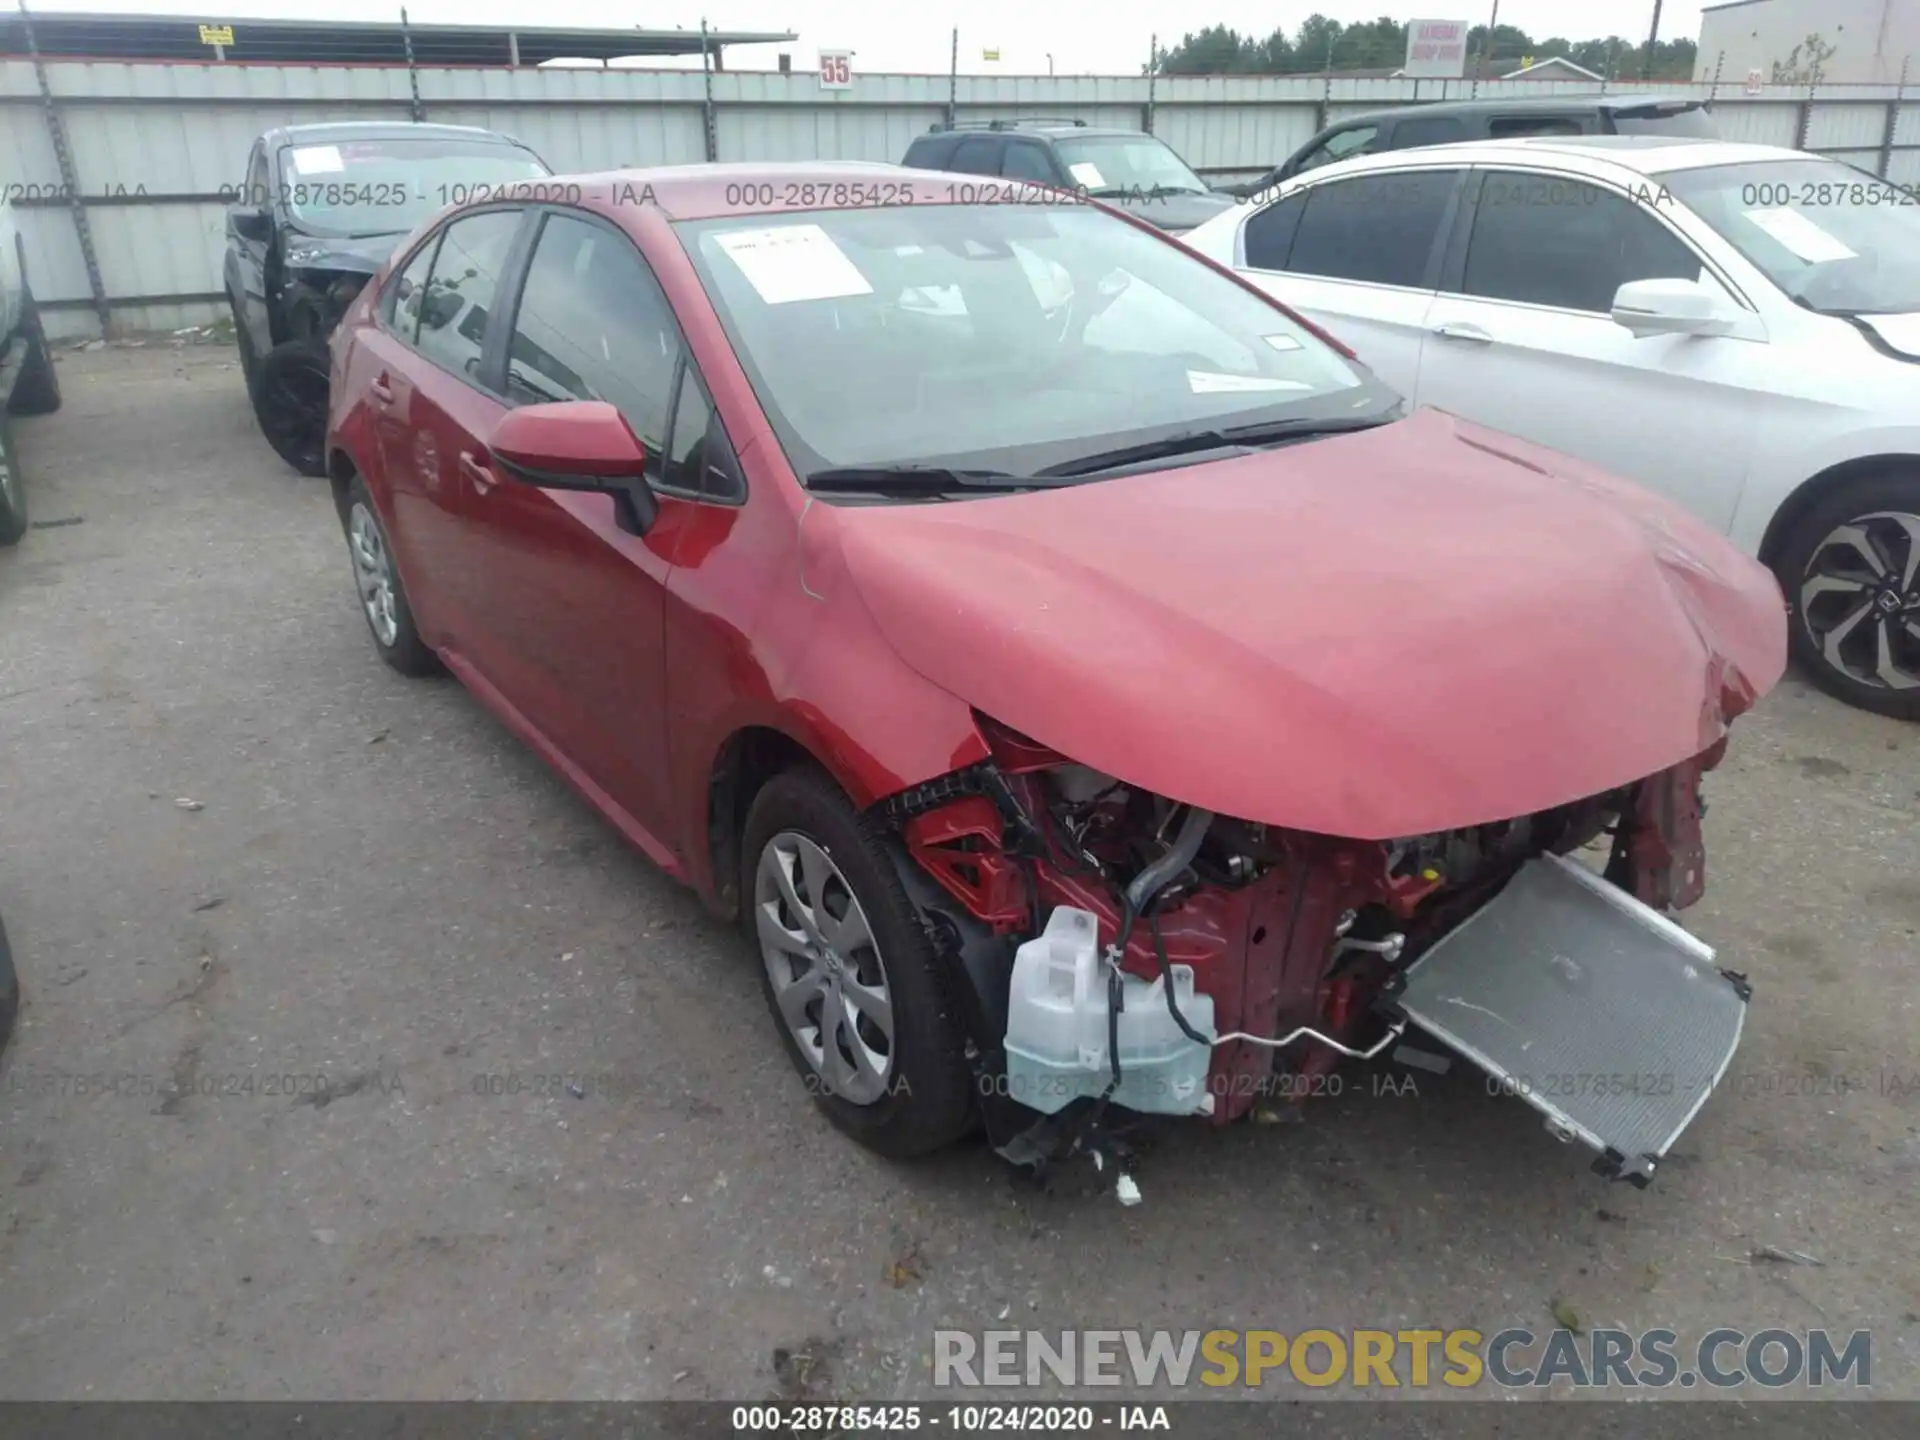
(373, 572)
(1860, 599)
(829, 981)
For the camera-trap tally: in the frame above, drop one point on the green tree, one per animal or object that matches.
(1804, 69)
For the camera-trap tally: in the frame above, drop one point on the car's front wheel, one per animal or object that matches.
(13, 491)
(1851, 572)
(290, 402)
(853, 983)
(37, 390)
(376, 579)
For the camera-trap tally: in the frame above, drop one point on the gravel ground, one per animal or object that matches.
(375, 883)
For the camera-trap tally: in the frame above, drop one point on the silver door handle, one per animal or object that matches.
(1458, 330)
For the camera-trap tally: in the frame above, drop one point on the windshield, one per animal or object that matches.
(386, 187)
(1002, 337)
(1835, 239)
(1119, 164)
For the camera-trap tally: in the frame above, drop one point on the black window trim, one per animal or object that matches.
(1454, 264)
(1437, 249)
(513, 283)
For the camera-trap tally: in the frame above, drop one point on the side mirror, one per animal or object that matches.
(578, 445)
(1671, 307)
(250, 224)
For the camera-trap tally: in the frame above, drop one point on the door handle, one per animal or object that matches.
(1460, 330)
(382, 389)
(481, 477)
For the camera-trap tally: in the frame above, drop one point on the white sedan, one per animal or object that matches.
(1734, 326)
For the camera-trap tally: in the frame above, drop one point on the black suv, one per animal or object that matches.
(320, 210)
(1449, 121)
(1128, 168)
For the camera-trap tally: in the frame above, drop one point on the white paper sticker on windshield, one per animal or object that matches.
(1088, 175)
(318, 160)
(1212, 382)
(1282, 342)
(793, 262)
(1800, 235)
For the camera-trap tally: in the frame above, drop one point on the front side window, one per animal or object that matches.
(976, 155)
(1026, 161)
(1378, 229)
(458, 296)
(594, 325)
(1003, 337)
(1338, 146)
(1123, 164)
(1559, 240)
(388, 186)
(1833, 238)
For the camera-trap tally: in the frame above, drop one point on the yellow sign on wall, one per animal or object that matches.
(989, 54)
(216, 34)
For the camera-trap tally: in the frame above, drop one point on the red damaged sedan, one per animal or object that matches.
(1090, 689)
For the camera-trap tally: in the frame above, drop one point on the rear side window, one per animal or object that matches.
(1378, 229)
(1502, 127)
(1268, 238)
(1426, 130)
(594, 325)
(928, 152)
(1557, 240)
(406, 290)
(459, 290)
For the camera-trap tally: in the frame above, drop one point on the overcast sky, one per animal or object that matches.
(1109, 37)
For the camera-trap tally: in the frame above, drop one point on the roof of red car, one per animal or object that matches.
(701, 192)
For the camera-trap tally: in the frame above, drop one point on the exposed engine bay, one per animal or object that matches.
(1126, 954)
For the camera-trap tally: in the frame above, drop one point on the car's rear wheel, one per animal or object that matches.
(290, 402)
(37, 390)
(13, 491)
(383, 600)
(1851, 572)
(859, 996)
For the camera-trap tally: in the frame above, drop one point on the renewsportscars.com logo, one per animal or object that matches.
(1722, 1359)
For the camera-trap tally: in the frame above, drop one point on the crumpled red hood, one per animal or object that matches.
(1408, 629)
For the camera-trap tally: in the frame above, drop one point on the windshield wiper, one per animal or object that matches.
(1189, 442)
(917, 480)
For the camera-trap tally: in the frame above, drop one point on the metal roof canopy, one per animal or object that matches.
(177, 37)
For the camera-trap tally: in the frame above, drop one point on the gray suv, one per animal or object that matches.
(1128, 168)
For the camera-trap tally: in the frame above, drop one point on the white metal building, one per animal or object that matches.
(1859, 42)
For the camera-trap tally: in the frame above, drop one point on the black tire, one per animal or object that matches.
(1887, 506)
(927, 1099)
(13, 490)
(403, 649)
(290, 401)
(9, 989)
(37, 390)
(249, 357)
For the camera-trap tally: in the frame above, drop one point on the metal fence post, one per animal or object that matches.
(1713, 90)
(1805, 120)
(706, 104)
(414, 109)
(1153, 72)
(953, 81)
(69, 179)
(1893, 120)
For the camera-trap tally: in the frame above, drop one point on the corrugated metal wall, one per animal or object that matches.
(152, 144)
